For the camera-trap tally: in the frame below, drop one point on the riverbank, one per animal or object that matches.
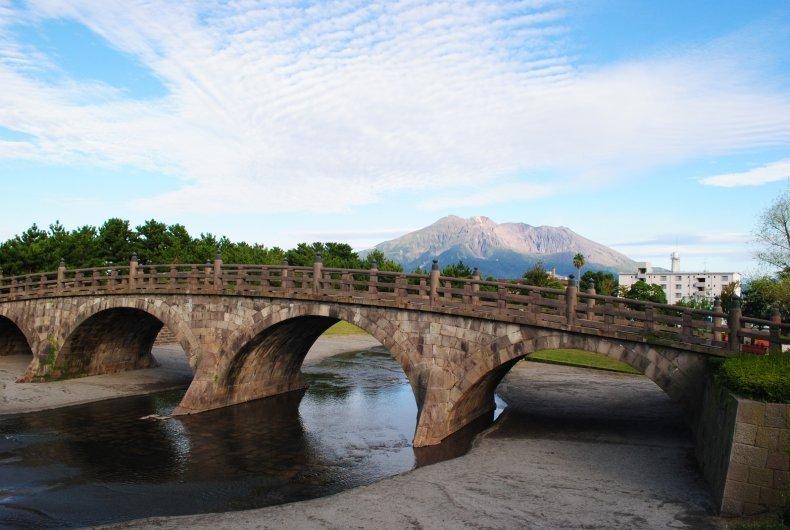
(574, 449)
(173, 372)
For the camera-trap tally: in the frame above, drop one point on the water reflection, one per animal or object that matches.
(100, 462)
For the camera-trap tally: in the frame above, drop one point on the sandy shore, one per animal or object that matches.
(575, 449)
(173, 372)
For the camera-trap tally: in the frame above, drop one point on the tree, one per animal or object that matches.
(605, 282)
(117, 241)
(763, 293)
(539, 277)
(154, 242)
(642, 291)
(727, 292)
(578, 262)
(774, 233)
(457, 270)
(696, 302)
(383, 263)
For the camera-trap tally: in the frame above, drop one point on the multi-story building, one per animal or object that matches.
(678, 285)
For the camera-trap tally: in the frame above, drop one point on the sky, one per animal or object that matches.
(646, 126)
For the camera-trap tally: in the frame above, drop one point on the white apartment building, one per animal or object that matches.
(678, 285)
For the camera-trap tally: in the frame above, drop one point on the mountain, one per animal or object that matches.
(503, 250)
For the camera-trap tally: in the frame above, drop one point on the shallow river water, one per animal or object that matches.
(100, 463)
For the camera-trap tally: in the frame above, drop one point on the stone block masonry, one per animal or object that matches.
(244, 347)
(744, 449)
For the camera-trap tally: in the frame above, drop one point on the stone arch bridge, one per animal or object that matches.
(246, 330)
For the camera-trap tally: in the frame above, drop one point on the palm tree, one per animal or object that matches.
(578, 262)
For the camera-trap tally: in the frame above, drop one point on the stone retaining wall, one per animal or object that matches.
(743, 447)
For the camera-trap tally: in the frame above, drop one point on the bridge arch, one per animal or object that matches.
(13, 341)
(679, 374)
(371, 320)
(19, 321)
(108, 335)
(264, 357)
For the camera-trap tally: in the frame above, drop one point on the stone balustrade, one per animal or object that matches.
(715, 332)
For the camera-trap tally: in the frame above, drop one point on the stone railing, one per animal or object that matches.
(714, 332)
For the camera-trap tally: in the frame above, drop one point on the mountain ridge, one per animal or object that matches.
(500, 249)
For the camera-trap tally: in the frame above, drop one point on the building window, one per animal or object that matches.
(663, 278)
(725, 278)
(678, 287)
(678, 278)
(664, 286)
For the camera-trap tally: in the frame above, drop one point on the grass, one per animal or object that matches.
(760, 377)
(581, 358)
(344, 328)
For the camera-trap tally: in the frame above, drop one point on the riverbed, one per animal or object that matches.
(574, 448)
(122, 459)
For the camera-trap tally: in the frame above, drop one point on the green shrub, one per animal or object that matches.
(761, 377)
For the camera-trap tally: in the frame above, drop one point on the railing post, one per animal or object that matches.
(241, 280)
(717, 321)
(284, 276)
(591, 301)
(132, 272)
(501, 299)
(776, 331)
(61, 275)
(207, 272)
(687, 330)
(193, 279)
(318, 266)
(400, 288)
(475, 287)
(218, 272)
(734, 324)
(374, 278)
(434, 280)
(265, 286)
(570, 301)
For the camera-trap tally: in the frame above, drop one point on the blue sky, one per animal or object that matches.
(648, 126)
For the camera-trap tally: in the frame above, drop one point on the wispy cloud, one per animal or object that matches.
(352, 235)
(492, 194)
(291, 106)
(758, 176)
(689, 239)
(722, 249)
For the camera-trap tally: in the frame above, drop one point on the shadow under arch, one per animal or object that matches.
(668, 369)
(12, 340)
(107, 336)
(111, 340)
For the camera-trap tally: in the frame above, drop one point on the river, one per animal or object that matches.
(101, 462)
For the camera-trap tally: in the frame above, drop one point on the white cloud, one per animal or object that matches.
(494, 194)
(758, 176)
(287, 107)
